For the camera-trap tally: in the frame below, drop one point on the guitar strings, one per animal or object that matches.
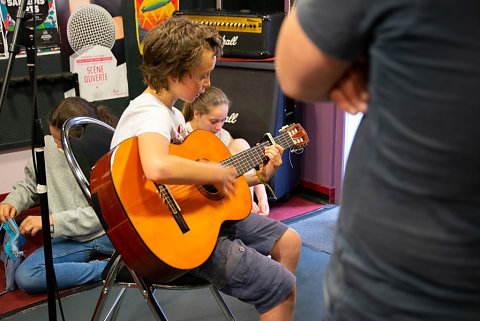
(246, 161)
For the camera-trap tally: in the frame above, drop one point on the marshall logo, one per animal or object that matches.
(230, 42)
(232, 118)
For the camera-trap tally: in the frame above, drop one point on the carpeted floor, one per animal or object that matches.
(295, 206)
(15, 301)
(317, 228)
(199, 304)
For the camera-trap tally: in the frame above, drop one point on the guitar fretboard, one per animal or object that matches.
(250, 158)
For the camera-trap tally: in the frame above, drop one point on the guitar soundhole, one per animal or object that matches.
(210, 192)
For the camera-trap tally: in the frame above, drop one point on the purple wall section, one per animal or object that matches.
(322, 159)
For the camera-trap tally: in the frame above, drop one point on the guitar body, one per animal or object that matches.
(140, 224)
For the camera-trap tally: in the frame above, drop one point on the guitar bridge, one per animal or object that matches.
(172, 206)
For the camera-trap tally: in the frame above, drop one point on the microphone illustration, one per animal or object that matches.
(88, 26)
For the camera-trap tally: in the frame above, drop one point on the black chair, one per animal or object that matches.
(82, 153)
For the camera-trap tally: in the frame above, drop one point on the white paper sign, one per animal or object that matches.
(98, 74)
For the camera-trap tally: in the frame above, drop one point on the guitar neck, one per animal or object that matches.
(250, 158)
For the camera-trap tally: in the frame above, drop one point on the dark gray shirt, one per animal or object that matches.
(409, 228)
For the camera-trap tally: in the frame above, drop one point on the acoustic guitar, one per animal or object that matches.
(162, 231)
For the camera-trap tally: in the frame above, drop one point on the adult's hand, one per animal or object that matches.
(350, 92)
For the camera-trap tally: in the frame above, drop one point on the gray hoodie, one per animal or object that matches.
(73, 218)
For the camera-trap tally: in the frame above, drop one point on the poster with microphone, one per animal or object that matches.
(92, 45)
(46, 33)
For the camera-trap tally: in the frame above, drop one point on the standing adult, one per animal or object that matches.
(408, 234)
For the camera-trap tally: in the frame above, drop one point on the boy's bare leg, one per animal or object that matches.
(283, 311)
(286, 250)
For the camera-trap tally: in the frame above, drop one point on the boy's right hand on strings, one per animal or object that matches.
(228, 180)
(7, 211)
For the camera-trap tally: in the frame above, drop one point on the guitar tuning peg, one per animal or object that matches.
(284, 128)
(298, 150)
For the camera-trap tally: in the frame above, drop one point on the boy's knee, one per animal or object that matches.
(287, 249)
(293, 240)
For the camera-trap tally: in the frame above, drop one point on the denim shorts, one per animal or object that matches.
(240, 266)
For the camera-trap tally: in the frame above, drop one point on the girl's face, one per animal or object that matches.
(213, 120)
(192, 85)
(56, 133)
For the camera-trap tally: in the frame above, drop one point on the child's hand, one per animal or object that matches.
(264, 208)
(7, 211)
(32, 224)
(228, 182)
(255, 208)
(274, 154)
(261, 208)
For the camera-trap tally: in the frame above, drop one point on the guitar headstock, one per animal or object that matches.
(298, 135)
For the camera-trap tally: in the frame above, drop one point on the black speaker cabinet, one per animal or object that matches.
(258, 106)
(16, 115)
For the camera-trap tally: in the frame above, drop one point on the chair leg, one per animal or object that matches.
(221, 302)
(148, 296)
(112, 313)
(108, 284)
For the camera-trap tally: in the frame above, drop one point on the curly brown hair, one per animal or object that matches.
(174, 48)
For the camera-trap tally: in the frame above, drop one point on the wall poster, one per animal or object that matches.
(149, 13)
(46, 34)
(92, 45)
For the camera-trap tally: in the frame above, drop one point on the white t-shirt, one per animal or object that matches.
(147, 114)
(223, 134)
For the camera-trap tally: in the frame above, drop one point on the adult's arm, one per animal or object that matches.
(304, 71)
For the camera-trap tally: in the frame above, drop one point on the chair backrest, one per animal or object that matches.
(82, 153)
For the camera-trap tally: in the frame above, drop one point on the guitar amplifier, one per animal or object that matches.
(246, 34)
